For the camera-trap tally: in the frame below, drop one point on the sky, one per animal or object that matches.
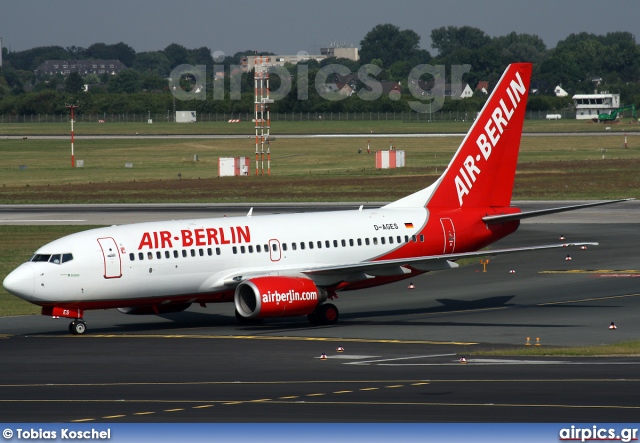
(287, 27)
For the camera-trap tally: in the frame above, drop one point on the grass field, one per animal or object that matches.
(323, 169)
(298, 127)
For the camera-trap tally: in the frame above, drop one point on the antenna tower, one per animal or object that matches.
(262, 115)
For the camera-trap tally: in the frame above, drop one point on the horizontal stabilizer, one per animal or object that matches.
(492, 219)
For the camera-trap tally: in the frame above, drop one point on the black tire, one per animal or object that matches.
(78, 327)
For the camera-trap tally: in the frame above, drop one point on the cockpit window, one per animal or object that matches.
(52, 258)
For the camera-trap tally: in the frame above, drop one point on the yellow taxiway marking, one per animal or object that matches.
(114, 416)
(395, 386)
(342, 392)
(260, 400)
(369, 389)
(592, 271)
(143, 413)
(492, 405)
(174, 410)
(260, 337)
(315, 395)
(289, 397)
(81, 420)
(419, 384)
(232, 403)
(611, 297)
(203, 406)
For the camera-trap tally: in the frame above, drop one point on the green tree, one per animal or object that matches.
(74, 83)
(126, 81)
(152, 62)
(389, 44)
(449, 38)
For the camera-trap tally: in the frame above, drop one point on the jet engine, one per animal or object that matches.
(265, 297)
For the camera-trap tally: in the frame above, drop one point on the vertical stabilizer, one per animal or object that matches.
(482, 171)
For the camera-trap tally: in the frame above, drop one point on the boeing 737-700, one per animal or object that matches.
(292, 264)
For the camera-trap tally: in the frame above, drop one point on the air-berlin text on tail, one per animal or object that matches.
(224, 235)
(494, 126)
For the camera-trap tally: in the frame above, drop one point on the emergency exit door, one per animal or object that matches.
(449, 233)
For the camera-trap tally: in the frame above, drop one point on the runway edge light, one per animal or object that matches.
(612, 326)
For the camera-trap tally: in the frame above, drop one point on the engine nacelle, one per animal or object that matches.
(155, 309)
(265, 297)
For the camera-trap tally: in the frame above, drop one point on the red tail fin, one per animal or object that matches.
(482, 171)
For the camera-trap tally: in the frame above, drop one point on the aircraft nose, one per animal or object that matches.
(21, 281)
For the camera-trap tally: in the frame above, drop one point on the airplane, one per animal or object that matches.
(286, 265)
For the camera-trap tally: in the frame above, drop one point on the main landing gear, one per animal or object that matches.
(325, 314)
(78, 327)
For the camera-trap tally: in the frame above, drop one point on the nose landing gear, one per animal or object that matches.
(78, 327)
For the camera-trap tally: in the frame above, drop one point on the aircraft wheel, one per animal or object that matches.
(78, 327)
(328, 314)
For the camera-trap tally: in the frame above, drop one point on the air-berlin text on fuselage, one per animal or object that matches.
(226, 235)
(488, 139)
(288, 297)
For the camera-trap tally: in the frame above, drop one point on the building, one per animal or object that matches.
(589, 106)
(82, 67)
(249, 63)
(348, 53)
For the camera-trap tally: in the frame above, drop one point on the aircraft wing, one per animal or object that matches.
(491, 219)
(323, 275)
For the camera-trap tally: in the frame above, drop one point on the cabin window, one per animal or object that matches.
(259, 250)
(184, 253)
(193, 253)
(413, 237)
(319, 244)
(335, 243)
(217, 251)
(242, 250)
(175, 254)
(250, 247)
(132, 256)
(274, 247)
(366, 241)
(390, 240)
(350, 242)
(375, 240)
(301, 245)
(406, 239)
(344, 243)
(327, 243)
(167, 254)
(382, 240)
(235, 250)
(150, 255)
(140, 256)
(284, 246)
(359, 242)
(266, 248)
(399, 239)
(294, 246)
(201, 252)
(209, 252)
(310, 245)
(421, 238)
